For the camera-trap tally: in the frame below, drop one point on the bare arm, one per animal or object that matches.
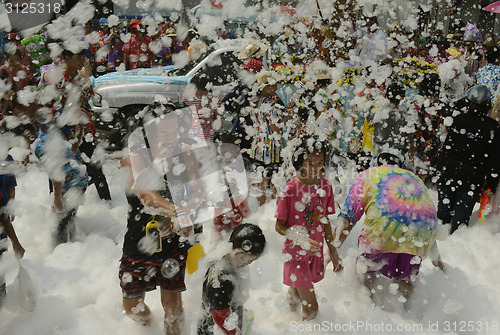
(154, 200)
(305, 242)
(11, 195)
(436, 257)
(341, 231)
(58, 199)
(281, 227)
(336, 261)
(108, 39)
(196, 185)
(11, 233)
(150, 198)
(329, 237)
(125, 60)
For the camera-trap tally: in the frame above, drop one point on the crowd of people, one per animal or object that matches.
(407, 111)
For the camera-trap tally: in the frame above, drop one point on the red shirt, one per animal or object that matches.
(138, 52)
(22, 78)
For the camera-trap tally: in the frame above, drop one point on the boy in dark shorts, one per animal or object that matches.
(222, 295)
(156, 243)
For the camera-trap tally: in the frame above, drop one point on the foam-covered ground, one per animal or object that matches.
(78, 290)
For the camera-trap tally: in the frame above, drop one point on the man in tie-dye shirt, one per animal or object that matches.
(400, 224)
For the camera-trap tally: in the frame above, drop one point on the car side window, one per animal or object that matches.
(224, 68)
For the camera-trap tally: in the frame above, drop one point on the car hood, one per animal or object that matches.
(156, 75)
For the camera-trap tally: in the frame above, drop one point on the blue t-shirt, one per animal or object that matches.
(7, 181)
(75, 170)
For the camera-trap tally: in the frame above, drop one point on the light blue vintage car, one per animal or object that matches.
(121, 95)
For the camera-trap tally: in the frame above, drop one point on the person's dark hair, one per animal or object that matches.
(492, 54)
(323, 82)
(306, 106)
(201, 81)
(69, 53)
(386, 158)
(479, 99)
(249, 238)
(159, 110)
(308, 146)
(395, 92)
(226, 137)
(370, 19)
(430, 85)
(442, 43)
(192, 34)
(14, 51)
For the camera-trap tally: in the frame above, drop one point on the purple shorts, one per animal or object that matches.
(392, 265)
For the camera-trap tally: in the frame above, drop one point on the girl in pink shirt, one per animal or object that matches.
(302, 217)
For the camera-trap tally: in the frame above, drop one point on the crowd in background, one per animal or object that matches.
(426, 99)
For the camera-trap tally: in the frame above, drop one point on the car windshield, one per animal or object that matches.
(191, 65)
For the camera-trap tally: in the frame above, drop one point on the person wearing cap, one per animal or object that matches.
(469, 160)
(170, 49)
(193, 44)
(103, 23)
(399, 229)
(136, 52)
(224, 290)
(253, 50)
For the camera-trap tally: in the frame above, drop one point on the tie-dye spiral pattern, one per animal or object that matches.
(400, 215)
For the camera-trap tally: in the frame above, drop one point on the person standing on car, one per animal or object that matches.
(136, 52)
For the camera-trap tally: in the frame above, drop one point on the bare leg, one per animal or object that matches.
(263, 187)
(405, 288)
(309, 304)
(174, 312)
(293, 299)
(370, 284)
(137, 310)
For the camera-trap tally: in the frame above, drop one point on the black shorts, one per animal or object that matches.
(140, 276)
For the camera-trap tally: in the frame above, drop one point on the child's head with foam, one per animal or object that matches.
(248, 242)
